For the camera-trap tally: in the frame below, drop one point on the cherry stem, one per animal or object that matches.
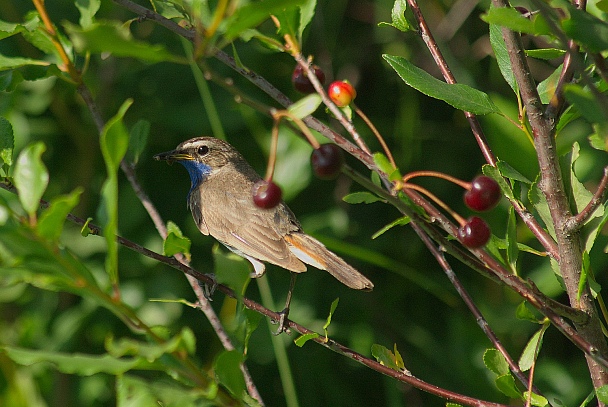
(435, 199)
(436, 174)
(272, 155)
(376, 133)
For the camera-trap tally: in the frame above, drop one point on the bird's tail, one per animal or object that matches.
(313, 252)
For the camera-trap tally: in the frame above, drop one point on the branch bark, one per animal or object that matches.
(552, 187)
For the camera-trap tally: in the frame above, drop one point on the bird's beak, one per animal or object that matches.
(174, 155)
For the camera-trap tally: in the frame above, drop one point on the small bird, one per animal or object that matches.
(221, 202)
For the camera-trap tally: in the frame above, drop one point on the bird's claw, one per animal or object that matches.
(282, 322)
(208, 289)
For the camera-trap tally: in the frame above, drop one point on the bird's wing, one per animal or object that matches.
(233, 219)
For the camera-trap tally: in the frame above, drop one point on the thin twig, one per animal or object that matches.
(576, 222)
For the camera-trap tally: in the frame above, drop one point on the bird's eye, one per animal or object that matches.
(202, 150)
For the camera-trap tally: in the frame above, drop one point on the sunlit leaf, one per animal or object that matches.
(398, 19)
(512, 248)
(506, 385)
(502, 56)
(536, 400)
(52, 218)
(398, 222)
(175, 242)
(528, 356)
(495, 362)
(515, 21)
(87, 9)
(252, 14)
(307, 12)
(73, 363)
(545, 53)
(306, 106)
(586, 29)
(387, 358)
(116, 39)
(302, 339)
(524, 313)
(361, 197)
(31, 177)
(460, 96)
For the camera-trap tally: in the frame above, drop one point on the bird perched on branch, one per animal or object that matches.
(220, 199)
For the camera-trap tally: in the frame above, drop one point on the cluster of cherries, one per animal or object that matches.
(482, 195)
(327, 160)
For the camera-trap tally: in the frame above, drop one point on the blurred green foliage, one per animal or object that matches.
(413, 307)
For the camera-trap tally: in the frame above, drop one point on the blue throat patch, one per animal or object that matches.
(198, 173)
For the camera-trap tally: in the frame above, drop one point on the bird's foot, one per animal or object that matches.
(208, 289)
(282, 322)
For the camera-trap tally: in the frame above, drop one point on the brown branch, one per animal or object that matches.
(481, 321)
(541, 234)
(321, 339)
(576, 222)
(552, 187)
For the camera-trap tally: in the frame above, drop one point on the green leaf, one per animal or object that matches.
(74, 363)
(387, 358)
(115, 38)
(524, 313)
(512, 248)
(227, 369)
(495, 362)
(502, 57)
(602, 393)
(494, 173)
(397, 222)
(138, 138)
(453, 405)
(511, 173)
(361, 197)
(87, 9)
(7, 143)
(398, 17)
(175, 241)
(515, 21)
(536, 400)
(506, 385)
(383, 163)
(460, 96)
(184, 342)
(538, 200)
(302, 339)
(546, 88)
(307, 12)
(53, 218)
(586, 103)
(528, 356)
(306, 106)
(133, 391)
(545, 53)
(253, 14)
(114, 141)
(17, 62)
(586, 29)
(31, 177)
(332, 309)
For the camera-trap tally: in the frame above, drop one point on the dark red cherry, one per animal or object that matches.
(266, 194)
(483, 195)
(302, 83)
(474, 233)
(341, 93)
(327, 161)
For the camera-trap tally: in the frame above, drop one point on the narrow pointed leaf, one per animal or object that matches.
(460, 96)
(31, 177)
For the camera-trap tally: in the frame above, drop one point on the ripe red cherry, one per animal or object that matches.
(474, 233)
(302, 83)
(483, 195)
(327, 161)
(266, 194)
(341, 93)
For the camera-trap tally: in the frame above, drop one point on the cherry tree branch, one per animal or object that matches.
(552, 187)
